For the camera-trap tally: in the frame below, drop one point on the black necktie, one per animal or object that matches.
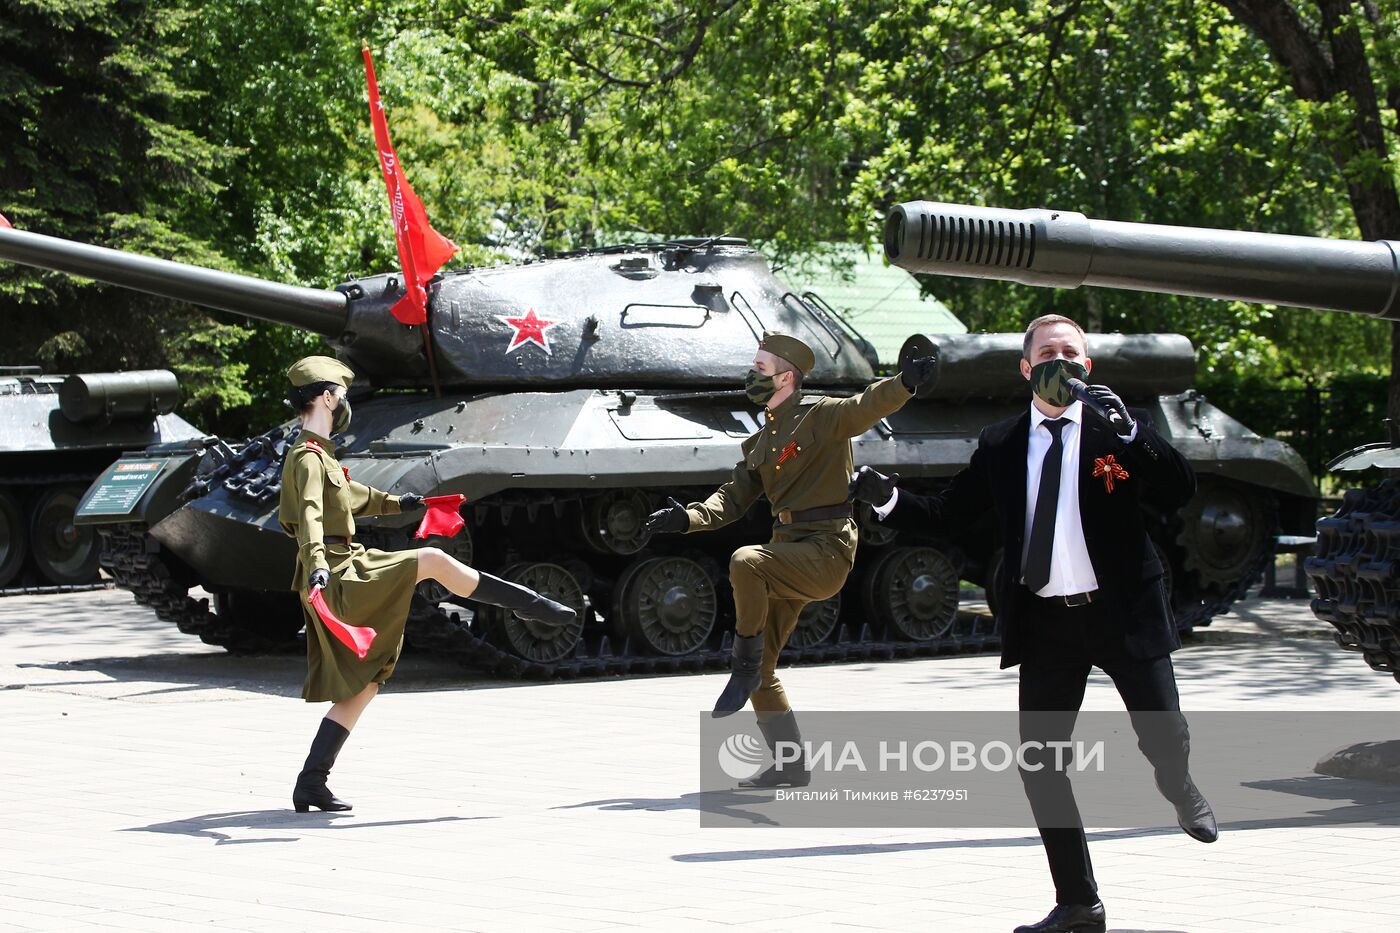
(1037, 570)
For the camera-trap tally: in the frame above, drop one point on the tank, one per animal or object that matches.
(1353, 568)
(577, 392)
(57, 434)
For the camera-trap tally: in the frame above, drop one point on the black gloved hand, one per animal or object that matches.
(670, 520)
(870, 485)
(920, 375)
(1123, 423)
(318, 580)
(410, 501)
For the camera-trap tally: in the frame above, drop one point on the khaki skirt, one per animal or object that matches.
(367, 588)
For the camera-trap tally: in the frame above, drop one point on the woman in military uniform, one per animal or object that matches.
(362, 587)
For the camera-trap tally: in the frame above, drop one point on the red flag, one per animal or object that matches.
(5, 223)
(422, 250)
(444, 516)
(355, 637)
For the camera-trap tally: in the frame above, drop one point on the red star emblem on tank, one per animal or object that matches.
(528, 329)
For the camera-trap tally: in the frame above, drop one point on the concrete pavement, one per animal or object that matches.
(146, 782)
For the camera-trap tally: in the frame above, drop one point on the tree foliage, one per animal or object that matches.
(529, 126)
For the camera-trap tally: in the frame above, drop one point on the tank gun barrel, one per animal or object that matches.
(1065, 249)
(314, 309)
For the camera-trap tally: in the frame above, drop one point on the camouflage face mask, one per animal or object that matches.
(758, 387)
(1050, 380)
(340, 418)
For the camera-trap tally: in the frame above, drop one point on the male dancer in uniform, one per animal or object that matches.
(801, 460)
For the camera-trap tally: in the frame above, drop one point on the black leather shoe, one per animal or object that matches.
(1070, 917)
(1195, 816)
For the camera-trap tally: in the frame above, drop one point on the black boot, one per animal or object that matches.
(311, 790)
(789, 774)
(521, 600)
(744, 662)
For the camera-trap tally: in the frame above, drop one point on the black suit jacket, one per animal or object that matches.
(1125, 562)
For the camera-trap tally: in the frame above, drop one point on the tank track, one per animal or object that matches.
(1355, 572)
(47, 589)
(442, 632)
(596, 655)
(156, 584)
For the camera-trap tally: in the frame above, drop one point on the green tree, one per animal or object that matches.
(92, 152)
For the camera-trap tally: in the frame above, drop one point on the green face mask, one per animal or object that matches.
(1050, 380)
(758, 387)
(340, 418)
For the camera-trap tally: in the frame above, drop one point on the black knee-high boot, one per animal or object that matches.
(745, 664)
(521, 600)
(311, 790)
(782, 729)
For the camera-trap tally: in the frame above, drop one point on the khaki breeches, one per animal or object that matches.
(773, 583)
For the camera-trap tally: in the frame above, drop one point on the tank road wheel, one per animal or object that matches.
(873, 532)
(1225, 534)
(13, 540)
(616, 522)
(458, 546)
(667, 604)
(816, 623)
(63, 553)
(531, 640)
(914, 592)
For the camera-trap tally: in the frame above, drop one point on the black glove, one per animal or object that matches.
(670, 520)
(410, 501)
(318, 580)
(1123, 422)
(920, 375)
(870, 485)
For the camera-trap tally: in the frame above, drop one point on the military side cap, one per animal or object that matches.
(311, 369)
(789, 348)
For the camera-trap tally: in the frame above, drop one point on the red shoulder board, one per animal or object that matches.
(346, 469)
(315, 445)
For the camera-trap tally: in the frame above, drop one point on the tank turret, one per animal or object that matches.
(608, 317)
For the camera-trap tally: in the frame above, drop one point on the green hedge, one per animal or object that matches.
(1319, 421)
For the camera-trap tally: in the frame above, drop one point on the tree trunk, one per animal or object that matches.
(1321, 66)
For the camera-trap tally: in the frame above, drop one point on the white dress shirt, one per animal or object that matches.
(1071, 570)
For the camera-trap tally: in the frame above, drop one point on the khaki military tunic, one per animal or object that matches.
(367, 587)
(800, 459)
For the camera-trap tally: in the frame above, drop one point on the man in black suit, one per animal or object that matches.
(1082, 585)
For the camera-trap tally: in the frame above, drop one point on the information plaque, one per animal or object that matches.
(119, 489)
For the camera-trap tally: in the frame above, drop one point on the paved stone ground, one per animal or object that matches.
(146, 783)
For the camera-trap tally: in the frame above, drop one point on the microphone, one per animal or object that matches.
(1080, 390)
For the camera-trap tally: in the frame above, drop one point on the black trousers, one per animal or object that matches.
(1064, 644)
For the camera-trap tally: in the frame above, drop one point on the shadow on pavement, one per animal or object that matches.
(883, 848)
(208, 825)
(718, 802)
(266, 674)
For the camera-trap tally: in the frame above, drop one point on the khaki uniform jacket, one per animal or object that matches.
(801, 459)
(369, 588)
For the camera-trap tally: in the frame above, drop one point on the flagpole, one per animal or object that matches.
(416, 293)
(428, 349)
